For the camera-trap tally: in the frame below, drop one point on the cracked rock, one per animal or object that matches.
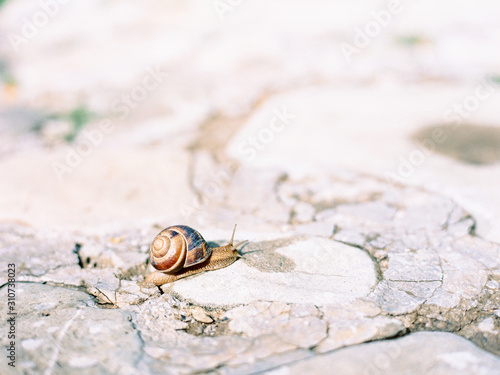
(295, 296)
(259, 319)
(418, 353)
(359, 260)
(324, 272)
(62, 330)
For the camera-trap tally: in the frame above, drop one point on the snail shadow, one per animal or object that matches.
(249, 252)
(213, 244)
(264, 257)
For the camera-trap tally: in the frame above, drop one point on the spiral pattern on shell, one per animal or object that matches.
(160, 246)
(178, 247)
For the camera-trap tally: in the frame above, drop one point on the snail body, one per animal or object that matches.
(180, 251)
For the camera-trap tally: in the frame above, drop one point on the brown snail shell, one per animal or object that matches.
(178, 247)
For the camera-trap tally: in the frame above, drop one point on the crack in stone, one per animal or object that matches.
(434, 318)
(104, 294)
(79, 288)
(378, 271)
(313, 348)
(57, 343)
(142, 344)
(440, 263)
(414, 281)
(316, 354)
(191, 177)
(425, 317)
(27, 272)
(76, 250)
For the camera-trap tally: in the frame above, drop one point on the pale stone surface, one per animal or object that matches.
(259, 319)
(64, 328)
(418, 353)
(345, 332)
(197, 116)
(447, 278)
(122, 193)
(324, 272)
(297, 292)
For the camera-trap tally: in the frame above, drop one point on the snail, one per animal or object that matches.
(180, 251)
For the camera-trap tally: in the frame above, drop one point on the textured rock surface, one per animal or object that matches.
(60, 330)
(360, 239)
(316, 271)
(418, 353)
(385, 268)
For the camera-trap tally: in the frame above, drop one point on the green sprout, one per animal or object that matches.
(78, 118)
(494, 78)
(410, 40)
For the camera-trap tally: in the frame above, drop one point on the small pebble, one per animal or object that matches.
(201, 317)
(116, 240)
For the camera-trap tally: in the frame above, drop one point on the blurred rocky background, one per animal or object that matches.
(356, 144)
